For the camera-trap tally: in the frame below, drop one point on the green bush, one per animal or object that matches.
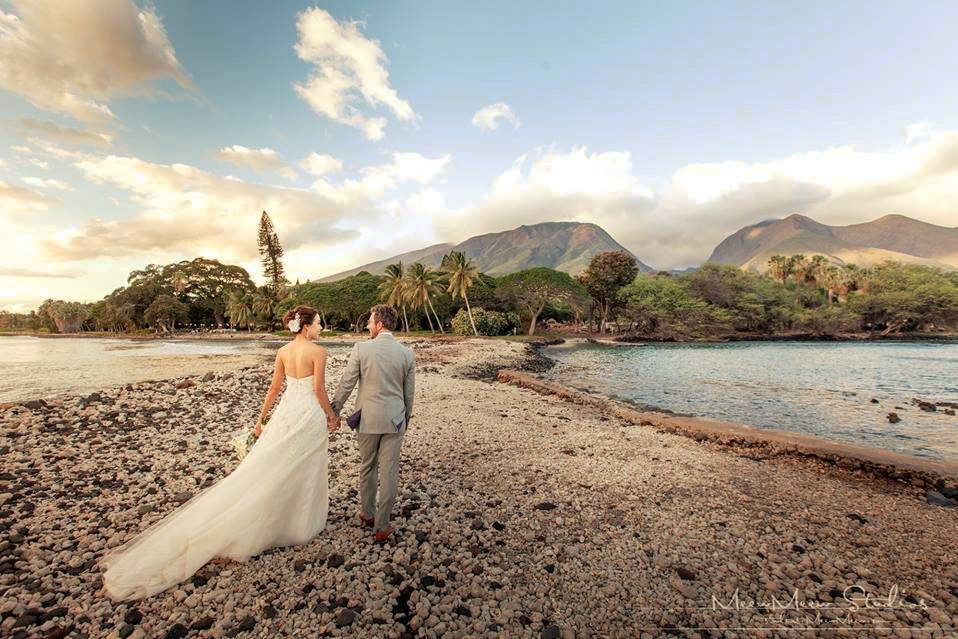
(829, 320)
(487, 322)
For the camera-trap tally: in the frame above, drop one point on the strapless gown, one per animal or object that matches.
(277, 496)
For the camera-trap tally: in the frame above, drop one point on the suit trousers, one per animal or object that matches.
(379, 460)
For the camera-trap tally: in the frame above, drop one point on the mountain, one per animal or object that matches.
(430, 256)
(564, 246)
(893, 237)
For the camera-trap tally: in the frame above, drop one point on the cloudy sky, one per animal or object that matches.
(135, 133)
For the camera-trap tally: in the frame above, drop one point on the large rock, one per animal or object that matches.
(345, 617)
(937, 499)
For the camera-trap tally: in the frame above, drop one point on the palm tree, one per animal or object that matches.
(817, 268)
(421, 283)
(862, 277)
(239, 310)
(830, 280)
(799, 267)
(461, 272)
(393, 289)
(263, 304)
(780, 267)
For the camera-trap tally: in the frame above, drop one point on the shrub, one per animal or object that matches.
(487, 322)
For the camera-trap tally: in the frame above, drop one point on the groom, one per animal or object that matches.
(386, 372)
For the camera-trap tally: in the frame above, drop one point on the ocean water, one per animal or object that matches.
(35, 368)
(819, 388)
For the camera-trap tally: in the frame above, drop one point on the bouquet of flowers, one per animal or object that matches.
(245, 439)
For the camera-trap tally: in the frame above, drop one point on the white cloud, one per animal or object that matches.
(260, 160)
(426, 202)
(491, 116)
(680, 222)
(918, 131)
(73, 57)
(349, 68)
(50, 149)
(186, 210)
(16, 199)
(28, 272)
(320, 164)
(47, 183)
(41, 164)
(67, 135)
(572, 186)
(377, 180)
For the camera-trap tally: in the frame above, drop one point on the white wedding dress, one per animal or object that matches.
(277, 496)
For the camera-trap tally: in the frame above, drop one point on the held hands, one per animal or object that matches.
(333, 422)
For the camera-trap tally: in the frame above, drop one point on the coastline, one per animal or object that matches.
(505, 495)
(917, 471)
(599, 338)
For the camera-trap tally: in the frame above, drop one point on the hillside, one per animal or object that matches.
(894, 237)
(564, 246)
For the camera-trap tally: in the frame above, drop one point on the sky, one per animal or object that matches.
(135, 133)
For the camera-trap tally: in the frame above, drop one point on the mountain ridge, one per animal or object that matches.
(892, 236)
(564, 246)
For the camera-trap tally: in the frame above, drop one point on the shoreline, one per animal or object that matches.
(598, 338)
(910, 469)
(514, 508)
(880, 462)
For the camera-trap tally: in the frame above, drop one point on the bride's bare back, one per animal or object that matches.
(299, 359)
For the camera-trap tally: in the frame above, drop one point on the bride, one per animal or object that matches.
(277, 496)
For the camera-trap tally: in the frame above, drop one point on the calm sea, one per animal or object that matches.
(33, 367)
(821, 388)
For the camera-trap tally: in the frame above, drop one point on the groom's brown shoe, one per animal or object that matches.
(383, 535)
(367, 522)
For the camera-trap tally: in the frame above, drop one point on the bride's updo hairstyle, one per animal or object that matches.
(298, 318)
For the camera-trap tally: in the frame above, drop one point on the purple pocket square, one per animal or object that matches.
(353, 420)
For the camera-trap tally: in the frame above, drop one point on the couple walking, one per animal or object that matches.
(279, 493)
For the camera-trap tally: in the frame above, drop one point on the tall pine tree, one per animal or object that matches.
(271, 253)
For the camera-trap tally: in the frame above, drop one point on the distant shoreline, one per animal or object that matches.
(944, 336)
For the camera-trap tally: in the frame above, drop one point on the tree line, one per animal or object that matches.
(797, 295)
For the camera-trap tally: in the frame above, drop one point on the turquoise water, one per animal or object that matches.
(820, 388)
(44, 368)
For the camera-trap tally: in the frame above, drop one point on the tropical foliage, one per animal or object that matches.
(607, 273)
(271, 254)
(422, 284)
(461, 273)
(482, 322)
(532, 289)
(799, 295)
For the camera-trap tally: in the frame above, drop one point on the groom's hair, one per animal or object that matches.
(385, 314)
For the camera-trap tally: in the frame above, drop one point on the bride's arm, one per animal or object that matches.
(275, 386)
(319, 385)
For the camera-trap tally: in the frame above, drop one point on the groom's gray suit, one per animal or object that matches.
(386, 373)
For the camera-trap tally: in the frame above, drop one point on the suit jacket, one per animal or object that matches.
(386, 373)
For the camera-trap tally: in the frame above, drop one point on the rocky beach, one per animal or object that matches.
(522, 512)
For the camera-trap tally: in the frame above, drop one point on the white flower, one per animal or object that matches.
(293, 324)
